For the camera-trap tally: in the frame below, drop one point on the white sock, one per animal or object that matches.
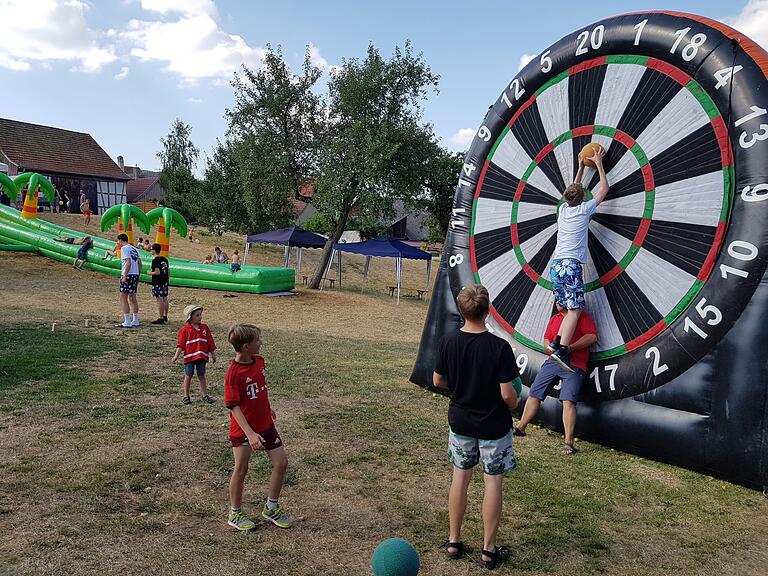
(126, 319)
(136, 317)
(272, 504)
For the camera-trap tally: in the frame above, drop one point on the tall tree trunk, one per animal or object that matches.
(317, 277)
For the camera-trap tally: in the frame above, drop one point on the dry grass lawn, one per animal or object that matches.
(105, 472)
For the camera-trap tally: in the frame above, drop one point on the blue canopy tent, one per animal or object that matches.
(289, 237)
(386, 247)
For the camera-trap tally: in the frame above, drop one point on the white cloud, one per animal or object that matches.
(123, 74)
(194, 47)
(193, 100)
(189, 7)
(752, 21)
(524, 59)
(462, 139)
(40, 31)
(317, 59)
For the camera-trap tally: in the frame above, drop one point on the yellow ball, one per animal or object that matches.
(588, 152)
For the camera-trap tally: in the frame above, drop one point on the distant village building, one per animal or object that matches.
(144, 188)
(410, 225)
(73, 161)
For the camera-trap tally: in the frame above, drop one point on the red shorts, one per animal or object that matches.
(87, 213)
(272, 439)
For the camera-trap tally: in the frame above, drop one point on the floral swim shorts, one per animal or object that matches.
(567, 282)
(498, 456)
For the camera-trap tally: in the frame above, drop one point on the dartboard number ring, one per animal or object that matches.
(678, 246)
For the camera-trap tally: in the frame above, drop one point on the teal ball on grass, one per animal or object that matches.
(395, 557)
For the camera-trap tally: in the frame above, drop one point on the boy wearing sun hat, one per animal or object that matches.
(195, 345)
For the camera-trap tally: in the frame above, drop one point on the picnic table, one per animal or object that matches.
(421, 293)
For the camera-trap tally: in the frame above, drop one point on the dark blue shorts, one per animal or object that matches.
(82, 254)
(567, 282)
(130, 285)
(159, 290)
(189, 368)
(547, 379)
(235, 267)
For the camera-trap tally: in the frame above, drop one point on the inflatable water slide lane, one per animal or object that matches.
(38, 235)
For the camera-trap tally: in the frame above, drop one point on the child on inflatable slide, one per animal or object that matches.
(571, 252)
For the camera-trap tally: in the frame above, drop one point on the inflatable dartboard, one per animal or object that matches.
(680, 104)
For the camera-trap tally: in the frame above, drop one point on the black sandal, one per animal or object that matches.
(568, 450)
(497, 558)
(459, 549)
(517, 432)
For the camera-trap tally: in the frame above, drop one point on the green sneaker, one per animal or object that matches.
(278, 517)
(240, 521)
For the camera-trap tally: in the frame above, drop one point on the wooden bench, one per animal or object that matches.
(421, 294)
(331, 281)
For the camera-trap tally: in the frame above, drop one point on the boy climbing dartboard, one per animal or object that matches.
(571, 253)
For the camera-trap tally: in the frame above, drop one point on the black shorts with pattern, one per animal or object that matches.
(159, 290)
(130, 285)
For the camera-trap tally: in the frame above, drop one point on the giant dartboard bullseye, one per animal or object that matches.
(677, 248)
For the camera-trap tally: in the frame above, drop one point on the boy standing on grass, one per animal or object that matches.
(160, 275)
(480, 372)
(570, 253)
(195, 345)
(129, 281)
(252, 427)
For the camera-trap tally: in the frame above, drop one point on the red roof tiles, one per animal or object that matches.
(55, 150)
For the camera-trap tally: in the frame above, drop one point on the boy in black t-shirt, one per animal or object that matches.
(480, 372)
(160, 275)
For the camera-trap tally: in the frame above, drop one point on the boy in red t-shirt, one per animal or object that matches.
(584, 336)
(195, 346)
(252, 426)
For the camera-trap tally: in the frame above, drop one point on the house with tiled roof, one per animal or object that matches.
(72, 161)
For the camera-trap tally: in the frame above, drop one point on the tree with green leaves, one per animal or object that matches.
(443, 172)
(375, 147)
(178, 158)
(222, 199)
(274, 134)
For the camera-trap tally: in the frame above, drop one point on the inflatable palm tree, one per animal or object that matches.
(125, 215)
(34, 182)
(7, 185)
(166, 218)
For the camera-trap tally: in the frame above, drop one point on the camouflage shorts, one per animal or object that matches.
(497, 456)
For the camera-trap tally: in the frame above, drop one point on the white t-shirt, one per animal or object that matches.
(128, 252)
(572, 230)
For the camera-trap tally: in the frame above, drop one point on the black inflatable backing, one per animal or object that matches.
(707, 410)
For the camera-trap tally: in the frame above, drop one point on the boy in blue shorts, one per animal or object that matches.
(480, 372)
(570, 253)
(571, 380)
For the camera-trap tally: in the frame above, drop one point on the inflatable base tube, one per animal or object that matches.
(17, 248)
(39, 236)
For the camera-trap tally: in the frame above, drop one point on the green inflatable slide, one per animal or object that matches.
(35, 235)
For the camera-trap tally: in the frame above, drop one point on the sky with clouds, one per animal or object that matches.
(122, 70)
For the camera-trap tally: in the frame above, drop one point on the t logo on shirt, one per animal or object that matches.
(251, 388)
